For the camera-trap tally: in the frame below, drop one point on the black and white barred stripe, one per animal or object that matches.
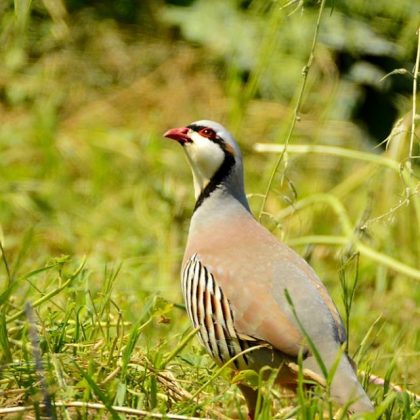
(209, 310)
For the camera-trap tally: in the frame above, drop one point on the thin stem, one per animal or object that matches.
(335, 204)
(48, 296)
(413, 112)
(97, 406)
(364, 250)
(6, 264)
(296, 111)
(180, 347)
(223, 367)
(329, 150)
(267, 44)
(403, 170)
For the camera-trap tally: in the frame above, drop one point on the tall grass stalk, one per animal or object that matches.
(414, 116)
(296, 111)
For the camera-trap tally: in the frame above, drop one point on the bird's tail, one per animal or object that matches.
(345, 387)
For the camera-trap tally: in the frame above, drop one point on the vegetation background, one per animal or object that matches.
(95, 204)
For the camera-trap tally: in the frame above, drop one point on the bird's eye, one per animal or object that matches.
(207, 132)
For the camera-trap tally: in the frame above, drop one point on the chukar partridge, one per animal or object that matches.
(236, 275)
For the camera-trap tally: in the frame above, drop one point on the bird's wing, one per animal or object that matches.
(253, 269)
(254, 313)
(260, 308)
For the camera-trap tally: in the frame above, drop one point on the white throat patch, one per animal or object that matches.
(205, 158)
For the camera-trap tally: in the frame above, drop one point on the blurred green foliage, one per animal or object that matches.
(365, 40)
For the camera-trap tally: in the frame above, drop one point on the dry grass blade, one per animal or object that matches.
(97, 406)
(377, 380)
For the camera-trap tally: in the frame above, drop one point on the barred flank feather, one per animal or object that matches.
(209, 310)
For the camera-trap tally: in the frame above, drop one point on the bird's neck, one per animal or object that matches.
(220, 177)
(219, 207)
(226, 184)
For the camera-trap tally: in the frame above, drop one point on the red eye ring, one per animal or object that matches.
(207, 132)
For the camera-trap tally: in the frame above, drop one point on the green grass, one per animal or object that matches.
(94, 212)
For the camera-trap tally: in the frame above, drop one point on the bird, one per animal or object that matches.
(243, 288)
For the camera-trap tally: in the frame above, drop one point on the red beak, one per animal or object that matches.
(179, 134)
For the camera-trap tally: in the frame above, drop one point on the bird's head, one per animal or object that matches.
(214, 157)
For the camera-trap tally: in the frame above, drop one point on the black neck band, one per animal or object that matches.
(217, 179)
